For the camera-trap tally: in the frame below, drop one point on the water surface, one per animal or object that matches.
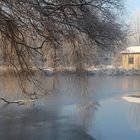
(77, 108)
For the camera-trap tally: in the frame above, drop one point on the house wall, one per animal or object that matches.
(126, 61)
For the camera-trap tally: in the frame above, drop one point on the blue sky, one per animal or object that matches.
(132, 5)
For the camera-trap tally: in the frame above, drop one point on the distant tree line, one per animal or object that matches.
(134, 34)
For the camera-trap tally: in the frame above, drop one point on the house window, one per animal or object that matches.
(130, 60)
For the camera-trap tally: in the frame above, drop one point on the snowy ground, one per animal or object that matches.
(111, 71)
(100, 70)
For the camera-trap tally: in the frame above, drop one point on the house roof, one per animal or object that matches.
(132, 49)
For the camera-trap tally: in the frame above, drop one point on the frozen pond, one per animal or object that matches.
(79, 108)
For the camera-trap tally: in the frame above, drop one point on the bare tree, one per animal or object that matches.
(29, 28)
(134, 35)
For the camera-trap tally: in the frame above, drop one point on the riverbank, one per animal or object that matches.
(102, 70)
(99, 70)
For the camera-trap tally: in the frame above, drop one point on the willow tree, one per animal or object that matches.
(29, 29)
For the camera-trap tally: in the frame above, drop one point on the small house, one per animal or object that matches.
(131, 58)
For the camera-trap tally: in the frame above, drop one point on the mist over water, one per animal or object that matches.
(74, 108)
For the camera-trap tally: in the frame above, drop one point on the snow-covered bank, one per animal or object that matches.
(101, 70)
(111, 71)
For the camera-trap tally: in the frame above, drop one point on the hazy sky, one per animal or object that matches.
(132, 5)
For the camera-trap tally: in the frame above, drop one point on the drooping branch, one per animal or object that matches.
(19, 102)
(38, 33)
